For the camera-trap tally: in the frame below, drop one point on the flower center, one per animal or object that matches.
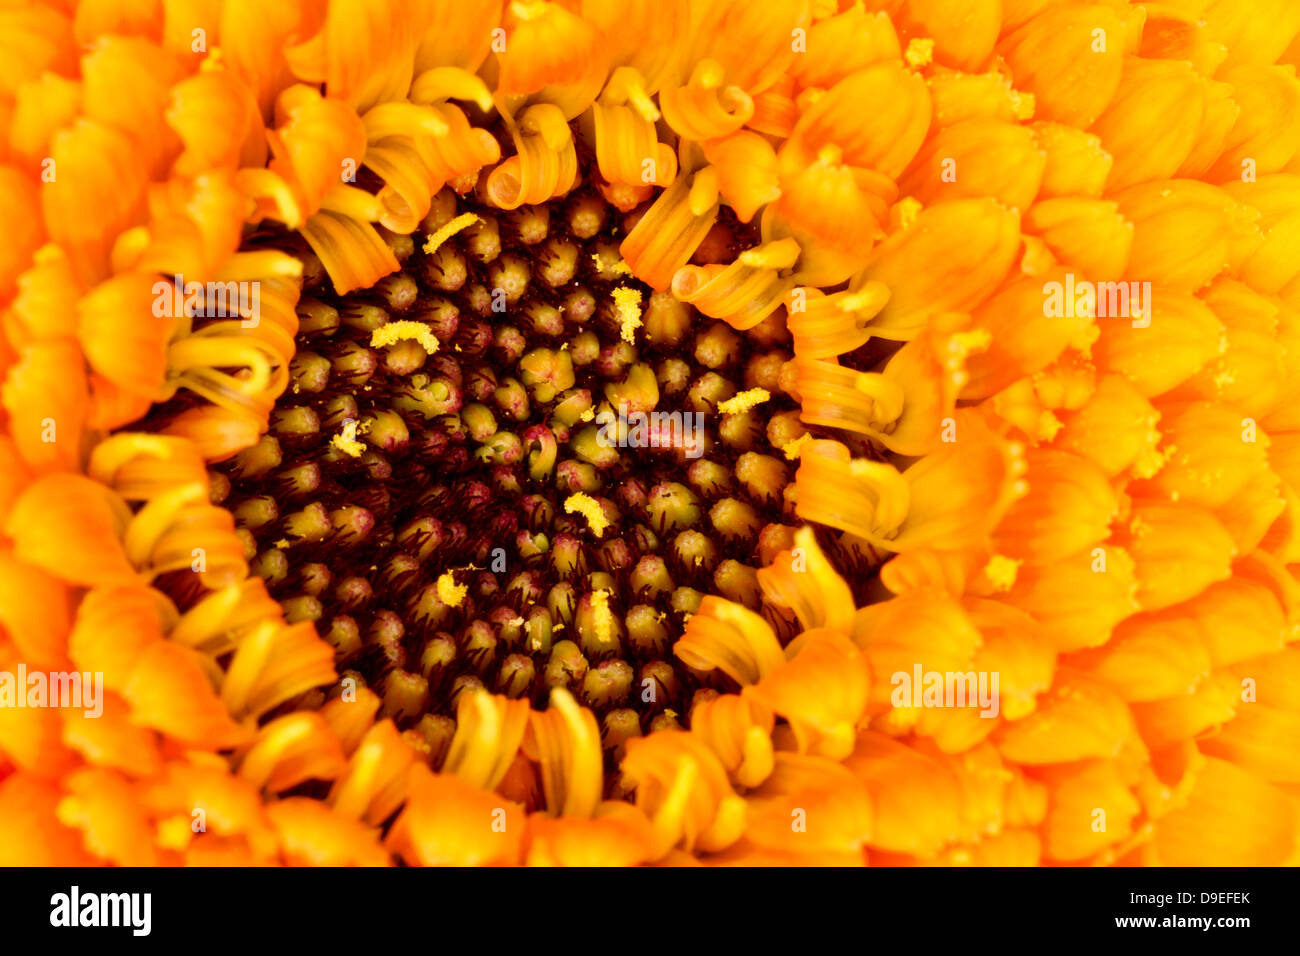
(511, 465)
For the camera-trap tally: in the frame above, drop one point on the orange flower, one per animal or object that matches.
(580, 433)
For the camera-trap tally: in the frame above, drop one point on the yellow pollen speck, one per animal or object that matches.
(793, 449)
(346, 442)
(590, 509)
(907, 209)
(393, 332)
(1001, 572)
(744, 401)
(628, 303)
(587, 414)
(1022, 104)
(604, 617)
(1048, 426)
(449, 592)
(463, 221)
(284, 543)
(607, 268)
(964, 343)
(1151, 459)
(920, 52)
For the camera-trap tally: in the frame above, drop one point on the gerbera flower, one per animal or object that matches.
(560, 432)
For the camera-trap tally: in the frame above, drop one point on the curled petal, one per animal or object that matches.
(628, 149)
(741, 294)
(544, 167)
(824, 326)
(731, 638)
(354, 254)
(217, 433)
(566, 742)
(554, 54)
(379, 775)
(273, 664)
(821, 690)
(704, 108)
(747, 171)
(683, 789)
(739, 732)
(124, 337)
(803, 580)
(666, 237)
(170, 692)
(489, 731)
(290, 750)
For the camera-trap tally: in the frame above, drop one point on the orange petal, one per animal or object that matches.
(1076, 163)
(447, 822)
(1182, 231)
(1079, 599)
(34, 609)
(114, 627)
(45, 396)
(170, 692)
(1078, 719)
(948, 260)
(916, 801)
(106, 809)
(30, 831)
(1183, 335)
(886, 139)
(311, 834)
(821, 690)
(1068, 509)
(1232, 819)
(978, 157)
(72, 527)
(1070, 57)
(1153, 121)
(1179, 550)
